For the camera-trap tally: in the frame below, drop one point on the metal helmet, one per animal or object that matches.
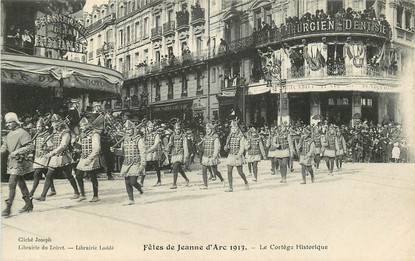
(56, 118)
(129, 125)
(40, 122)
(210, 126)
(150, 124)
(84, 123)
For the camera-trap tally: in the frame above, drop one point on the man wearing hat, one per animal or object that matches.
(179, 153)
(210, 159)
(235, 145)
(90, 142)
(97, 119)
(254, 151)
(306, 150)
(40, 164)
(153, 151)
(134, 151)
(17, 145)
(59, 156)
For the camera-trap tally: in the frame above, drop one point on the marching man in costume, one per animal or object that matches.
(306, 150)
(210, 158)
(255, 151)
(153, 147)
(40, 164)
(235, 144)
(272, 150)
(316, 135)
(330, 149)
(179, 153)
(59, 156)
(17, 144)
(341, 149)
(284, 150)
(134, 164)
(89, 163)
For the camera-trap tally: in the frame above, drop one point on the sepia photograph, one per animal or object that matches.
(207, 130)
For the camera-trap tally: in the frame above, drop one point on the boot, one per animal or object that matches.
(29, 205)
(6, 212)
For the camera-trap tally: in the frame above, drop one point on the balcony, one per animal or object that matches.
(156, 33)
(90, 55)
(340, 70)
(230, 83)
(100, 24)
(406, 35)
(168, 28)
(107, 48)
(198, 15)
(182, 19)
(234, 46)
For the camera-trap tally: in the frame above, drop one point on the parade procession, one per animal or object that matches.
(189, 118)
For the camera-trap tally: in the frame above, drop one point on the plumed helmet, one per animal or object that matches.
(177, 125)
(84, 123)
(56, 118)
(10, 117)
(129, 125)
(41, 122)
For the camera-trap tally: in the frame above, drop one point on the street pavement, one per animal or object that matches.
(364, 212)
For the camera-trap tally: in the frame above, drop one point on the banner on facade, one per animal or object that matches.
(340, 87)
(258, 90)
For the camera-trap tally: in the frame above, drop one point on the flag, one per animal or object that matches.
(320, 58)
(381, 55)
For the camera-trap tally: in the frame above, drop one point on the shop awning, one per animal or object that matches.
(46, 72)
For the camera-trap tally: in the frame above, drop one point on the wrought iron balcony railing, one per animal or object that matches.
(156, 32)
(198, 14)
(169, 27)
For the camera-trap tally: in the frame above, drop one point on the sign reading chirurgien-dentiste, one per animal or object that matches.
(65, 33)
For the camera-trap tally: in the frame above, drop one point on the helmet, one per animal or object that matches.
(10, 117)
(40, 122)
(84, 123)
(150, 124)
(56, 118)
(129, 125)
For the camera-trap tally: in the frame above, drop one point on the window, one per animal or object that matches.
(146, 55)
(121, 38)
(170, 15)
(157, 56)
(213, 74)
(199, 88)
(128, 35)
(258, 19)
(137, 58)
(157, 87)
(331, 101)
(199, 44)
(170, 89)
(184, 86)
(408, 20)
(127, 63)
(157, 21)
(145, 27)
(345, 101)
(120, 65)
(109, 36)
(333, 6)
(137, 31)
(268, 16)
(363, 102)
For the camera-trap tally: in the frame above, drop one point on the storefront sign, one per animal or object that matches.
(332, 26)
(172, 107)
(67, 34)
(258, 90)
(340, 87)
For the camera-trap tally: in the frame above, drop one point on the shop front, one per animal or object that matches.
(181, 110)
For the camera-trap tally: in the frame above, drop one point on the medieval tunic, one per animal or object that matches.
(271, 145)
(179, 151)
(40, 162)
(330, 146)
(211, 148)
(236, 146)
(283, 144)
(153, 148)
(255, 150)
(134, 156)
(90, 149)
(306, 151)
(17, 141)
(341, 146)
(60, 151)
(317, 143)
